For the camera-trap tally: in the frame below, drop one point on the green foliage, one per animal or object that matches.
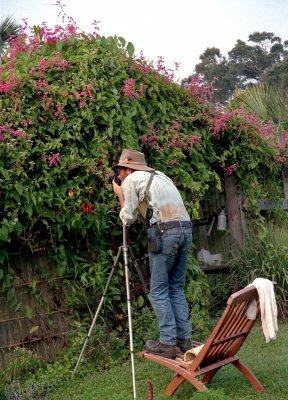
(264, 255)
(8, 29)
(268, 102)
(277, 75)
(145, 327)
(22, 363)
(197, 291)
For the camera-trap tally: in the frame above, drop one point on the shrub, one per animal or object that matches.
(264, 255)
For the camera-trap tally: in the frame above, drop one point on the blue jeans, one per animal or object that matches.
(168, 270)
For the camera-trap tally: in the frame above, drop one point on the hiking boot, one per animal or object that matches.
(184, 344)
(161, 349)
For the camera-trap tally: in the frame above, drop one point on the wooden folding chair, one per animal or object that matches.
(220, 349)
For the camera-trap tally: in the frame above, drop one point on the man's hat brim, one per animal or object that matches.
(131, 165)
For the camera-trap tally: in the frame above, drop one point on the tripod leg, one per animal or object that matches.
(125, 256)
(98, 310)
(136, 266)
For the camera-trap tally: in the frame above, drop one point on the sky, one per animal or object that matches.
(179, 30)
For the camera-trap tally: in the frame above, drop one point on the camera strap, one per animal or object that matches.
(148, 185)
(144, 211)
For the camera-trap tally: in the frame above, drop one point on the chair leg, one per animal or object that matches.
(249, 376)
(209, 375)
(179, 379)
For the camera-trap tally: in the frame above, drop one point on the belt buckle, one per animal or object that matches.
(161, 226)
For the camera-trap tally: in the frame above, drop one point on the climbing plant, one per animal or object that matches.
(70, 101)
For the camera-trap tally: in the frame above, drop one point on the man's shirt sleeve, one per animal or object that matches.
(128, 214)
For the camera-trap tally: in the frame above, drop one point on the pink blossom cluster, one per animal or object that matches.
(150, 139)
(17, 132)
(143, 66)
(13, 132)
(10, 84)
(54, 160)
(57, 33)
(2, 133)
(173, 137)
(244, 122)
(43, 88)
(231, 169)
(173, 162)
(168, 74)
(281, 159)
(84, 95)
(129, 89)
(59, 112)
(50, 64)
(179, 139)
(26, 122)
(156, 68)
(31, 38)
(221, 122)
(199, 90)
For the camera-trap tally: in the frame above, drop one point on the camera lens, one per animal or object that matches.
(116, 178)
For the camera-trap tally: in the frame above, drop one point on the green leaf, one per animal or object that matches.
(140, 301)
(36, 30)
(72, 38)
(59, 45)
(4, 233)
(122, 41)
(130, 49)
(11, 296)
(28, 312)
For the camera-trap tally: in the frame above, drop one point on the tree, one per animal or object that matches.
(245, 66)
(277, 75)
(8, 28)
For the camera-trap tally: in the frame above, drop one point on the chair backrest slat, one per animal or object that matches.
(232, 328)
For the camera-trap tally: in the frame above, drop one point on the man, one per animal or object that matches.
(169, 241)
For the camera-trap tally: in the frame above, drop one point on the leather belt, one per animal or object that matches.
(173, 224)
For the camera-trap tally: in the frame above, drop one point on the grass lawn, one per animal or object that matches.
(269, 362)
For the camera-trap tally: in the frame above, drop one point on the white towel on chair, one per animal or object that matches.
(268, 307)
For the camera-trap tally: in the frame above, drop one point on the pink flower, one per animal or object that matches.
(54, 160)
(231, 169)
(129, 88)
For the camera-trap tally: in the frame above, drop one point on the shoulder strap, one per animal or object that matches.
(149, 184)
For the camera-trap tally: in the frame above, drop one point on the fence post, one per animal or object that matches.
(236, 221)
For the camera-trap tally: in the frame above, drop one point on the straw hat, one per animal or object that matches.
(132, 159)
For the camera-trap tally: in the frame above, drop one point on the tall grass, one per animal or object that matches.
(264, 255)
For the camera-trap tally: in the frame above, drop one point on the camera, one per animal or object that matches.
(115, 178)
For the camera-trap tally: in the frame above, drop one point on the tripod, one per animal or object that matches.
(124, 249)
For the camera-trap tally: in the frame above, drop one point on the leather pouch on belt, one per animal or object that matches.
(154, 240)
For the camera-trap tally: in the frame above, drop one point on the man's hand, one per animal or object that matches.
(117, 188)
(119, 193)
